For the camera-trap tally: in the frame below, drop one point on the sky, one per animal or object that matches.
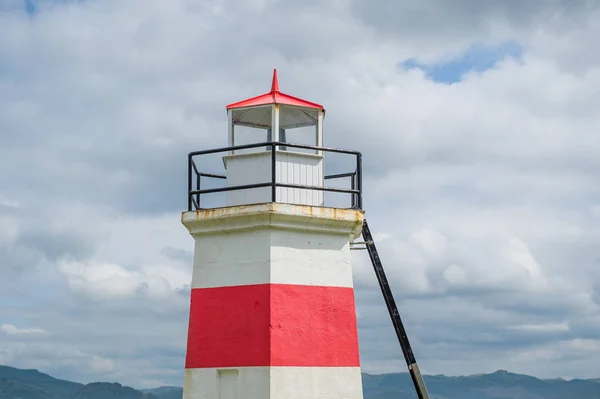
(478, 126)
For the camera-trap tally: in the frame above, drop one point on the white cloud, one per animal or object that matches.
(111, 281)
(100, 365)
(8, 203)
(455, 275)
(10, 329)
(430, 242)
(556, 350)
(426, 262)
(585, 345)
(482, 195)
(542, 327)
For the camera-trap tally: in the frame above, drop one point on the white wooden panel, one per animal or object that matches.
(248, 169)
(303, 169)
(291, 168)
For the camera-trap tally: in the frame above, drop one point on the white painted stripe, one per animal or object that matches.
(275, 256)
(276, 382)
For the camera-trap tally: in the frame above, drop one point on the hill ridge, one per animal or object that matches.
(33, 384)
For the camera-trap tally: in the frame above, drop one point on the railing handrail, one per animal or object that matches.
(273, 143)
(356, 175)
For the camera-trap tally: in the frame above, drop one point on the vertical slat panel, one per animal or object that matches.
(310, 194)
(321, 177)
(302, 165)
(282, 167)
(292, 168)
(290, 176)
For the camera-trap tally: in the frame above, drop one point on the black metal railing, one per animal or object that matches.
(194, 194)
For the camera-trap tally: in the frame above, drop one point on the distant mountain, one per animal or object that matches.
(500, 384)
(105, 390)
(31, 384)
(166, 392)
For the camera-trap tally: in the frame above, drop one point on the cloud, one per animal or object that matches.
(9, 329)
(543, 327)
(482, 195)
(178, 255)
(475, 59)
(54, 244)
(100, 365)
(436, 31)
(8, 203)
(111, 281)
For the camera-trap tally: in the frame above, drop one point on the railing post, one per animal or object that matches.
(273, 174)
(353, 186)
(359, 179)
(189, 195)
(198, 189)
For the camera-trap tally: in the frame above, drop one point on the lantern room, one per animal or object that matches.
(275, 117)
(275, 153)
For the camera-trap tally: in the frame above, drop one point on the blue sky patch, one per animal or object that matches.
(477, 58)
(30, 7)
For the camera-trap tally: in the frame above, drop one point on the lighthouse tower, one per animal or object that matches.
(272, 310)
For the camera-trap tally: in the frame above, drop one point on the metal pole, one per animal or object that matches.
(386, 290)
(189, 196)
(359, 179)
(352, 186)
(198, 189)
(273, 174)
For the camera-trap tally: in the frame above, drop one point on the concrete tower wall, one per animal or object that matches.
(272, 311)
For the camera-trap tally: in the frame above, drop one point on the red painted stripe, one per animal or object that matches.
(272, 325)
(313, 326)
(227, 327)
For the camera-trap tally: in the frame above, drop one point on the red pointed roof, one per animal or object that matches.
(275, 97)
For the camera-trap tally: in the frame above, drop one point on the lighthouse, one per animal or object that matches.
(272, 306)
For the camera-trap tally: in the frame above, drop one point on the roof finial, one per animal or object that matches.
(275, 84)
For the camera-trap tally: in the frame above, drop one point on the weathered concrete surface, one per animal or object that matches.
(272, 311)
(304, 217)
(275, 383)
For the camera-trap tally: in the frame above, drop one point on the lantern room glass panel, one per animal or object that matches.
(299, 125)
(249, 126)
